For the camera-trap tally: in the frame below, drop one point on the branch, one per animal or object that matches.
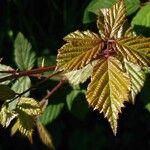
(16, 74)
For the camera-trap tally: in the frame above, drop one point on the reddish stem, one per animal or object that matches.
(16, 74)
(54, 89)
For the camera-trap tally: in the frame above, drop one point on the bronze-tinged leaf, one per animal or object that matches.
(110, 21)
(45, 136)
(135, 50)
(6, 116)
(25, 123)
(109, 88)
(137, 76)
(29, 106)
(80, 49)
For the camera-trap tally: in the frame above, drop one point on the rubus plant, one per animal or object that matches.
(116, 60)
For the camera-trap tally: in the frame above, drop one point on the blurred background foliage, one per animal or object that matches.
(72, 125)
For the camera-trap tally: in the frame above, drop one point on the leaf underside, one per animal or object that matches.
(137, 76)
(108, 90)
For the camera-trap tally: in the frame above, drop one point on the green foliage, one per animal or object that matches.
(95, 5)
(142, 17)
(113, 65)
(77, 104)
(23, 83)
(51, 113)
(24, 57)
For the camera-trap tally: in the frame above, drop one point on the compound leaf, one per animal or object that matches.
(135, 50)
(109, 88)
(80, 49)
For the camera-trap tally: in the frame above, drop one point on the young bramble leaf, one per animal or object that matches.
(24, 57)
(6, 116)
(44, 135)
(137, 76)
(29, 106)
(80, 49)
(120, 60)
(25, 124)
(109, 88)
(110, 20)
(135, 50)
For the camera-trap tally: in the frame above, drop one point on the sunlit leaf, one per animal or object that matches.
(24, 57)
(108, 90)
(110, 20)
(21, 85)
(29, 106)
(135, 50)
(2, 75)
(80, 49)
(25, 124)
(6, 92)
(6, 116)
(45, 136)
(51, 113)
(137, 76)
(80, 76)
(142, 17)
(14, 128)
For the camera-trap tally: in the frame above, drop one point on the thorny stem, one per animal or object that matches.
(54, 89)
(34, 86)
(16, 74)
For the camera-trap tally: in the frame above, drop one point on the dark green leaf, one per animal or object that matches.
(143, 17)
(6, 92)
(77, 103)
(24, 57)
(51, 113)
(131, 6)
